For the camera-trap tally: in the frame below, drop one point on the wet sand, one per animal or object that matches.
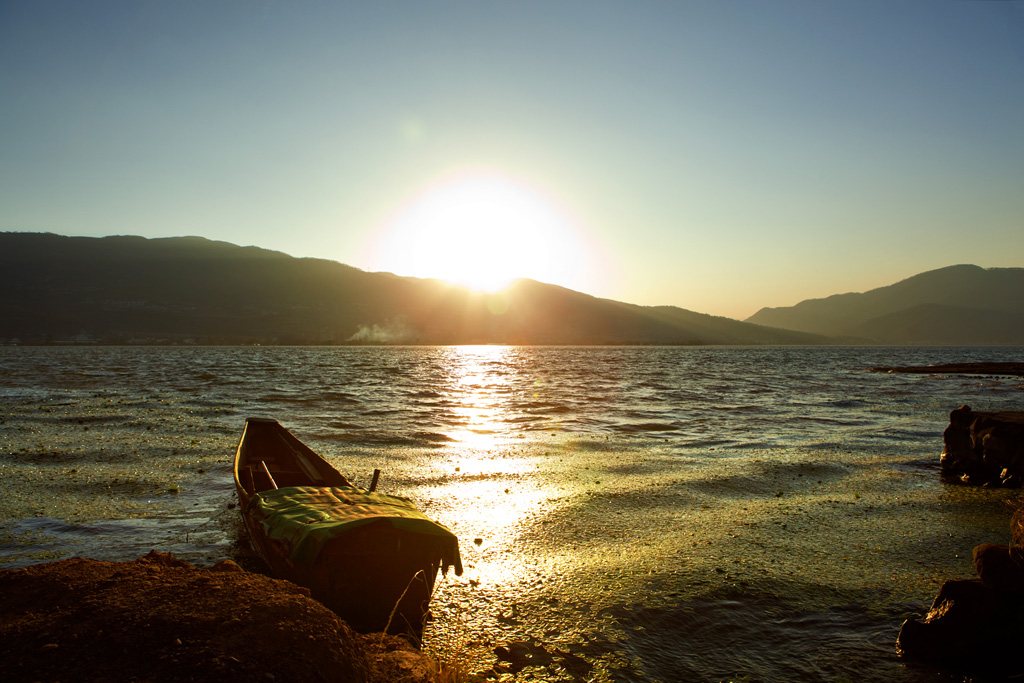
(603, 570)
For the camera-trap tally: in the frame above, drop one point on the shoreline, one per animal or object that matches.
(774, 514)
(159, 618)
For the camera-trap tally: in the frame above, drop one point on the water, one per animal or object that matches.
(634, 514)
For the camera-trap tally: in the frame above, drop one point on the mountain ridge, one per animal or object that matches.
(129, 289)
(959, 305)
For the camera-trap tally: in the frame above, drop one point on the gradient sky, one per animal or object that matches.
(719, 156)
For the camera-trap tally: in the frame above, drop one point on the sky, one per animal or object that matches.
(718, 155)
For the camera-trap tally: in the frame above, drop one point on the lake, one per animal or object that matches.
(624, 513)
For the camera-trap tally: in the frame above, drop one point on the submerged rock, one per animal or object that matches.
(983, 448)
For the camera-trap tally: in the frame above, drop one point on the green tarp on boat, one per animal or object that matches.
(307, 517)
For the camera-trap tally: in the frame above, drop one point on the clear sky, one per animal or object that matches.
(717, 155)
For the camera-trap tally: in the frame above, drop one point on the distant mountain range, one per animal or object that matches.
(958, 305)
(124, 290)
(119, 290)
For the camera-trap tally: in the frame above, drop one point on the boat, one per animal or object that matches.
(370, 557)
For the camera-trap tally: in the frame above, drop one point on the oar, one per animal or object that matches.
(267, 472)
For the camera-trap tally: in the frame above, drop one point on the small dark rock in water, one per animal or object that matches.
(984, 449)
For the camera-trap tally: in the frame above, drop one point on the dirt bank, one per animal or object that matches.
(162, 619)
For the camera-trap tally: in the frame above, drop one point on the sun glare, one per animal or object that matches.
(482, 230)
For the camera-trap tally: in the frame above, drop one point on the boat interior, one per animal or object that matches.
(268, 459)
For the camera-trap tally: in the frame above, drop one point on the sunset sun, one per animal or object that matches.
(482, 230)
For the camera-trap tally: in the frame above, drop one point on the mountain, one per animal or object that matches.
(961, 304)
(118, 290)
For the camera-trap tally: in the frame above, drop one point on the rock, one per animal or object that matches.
(974, 623)
(964, 618)
(226, 566)
(1001, 567)
(166, 559)
(984, 448)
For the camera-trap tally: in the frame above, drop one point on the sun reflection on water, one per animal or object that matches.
(489, 489)
(481, 389)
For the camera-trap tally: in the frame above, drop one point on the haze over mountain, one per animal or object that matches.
(193, 290)
(962, 304)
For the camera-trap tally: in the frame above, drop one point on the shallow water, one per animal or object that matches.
(636, 514)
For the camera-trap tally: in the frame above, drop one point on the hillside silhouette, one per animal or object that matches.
(963, 304)
(121, 290)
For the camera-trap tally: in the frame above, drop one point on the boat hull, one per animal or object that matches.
(377, 576)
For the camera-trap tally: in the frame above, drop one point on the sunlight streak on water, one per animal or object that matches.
(482, 400)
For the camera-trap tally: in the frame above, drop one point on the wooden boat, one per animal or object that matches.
(370, 557)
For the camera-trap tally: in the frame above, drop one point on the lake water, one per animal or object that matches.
(624, 513)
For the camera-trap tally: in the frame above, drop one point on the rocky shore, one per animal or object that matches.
(984, 448)
(162, 619)
(974, 624)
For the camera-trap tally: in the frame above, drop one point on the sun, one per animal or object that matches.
(482, 229)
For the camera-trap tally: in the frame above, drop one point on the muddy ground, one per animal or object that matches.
(162, 619)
